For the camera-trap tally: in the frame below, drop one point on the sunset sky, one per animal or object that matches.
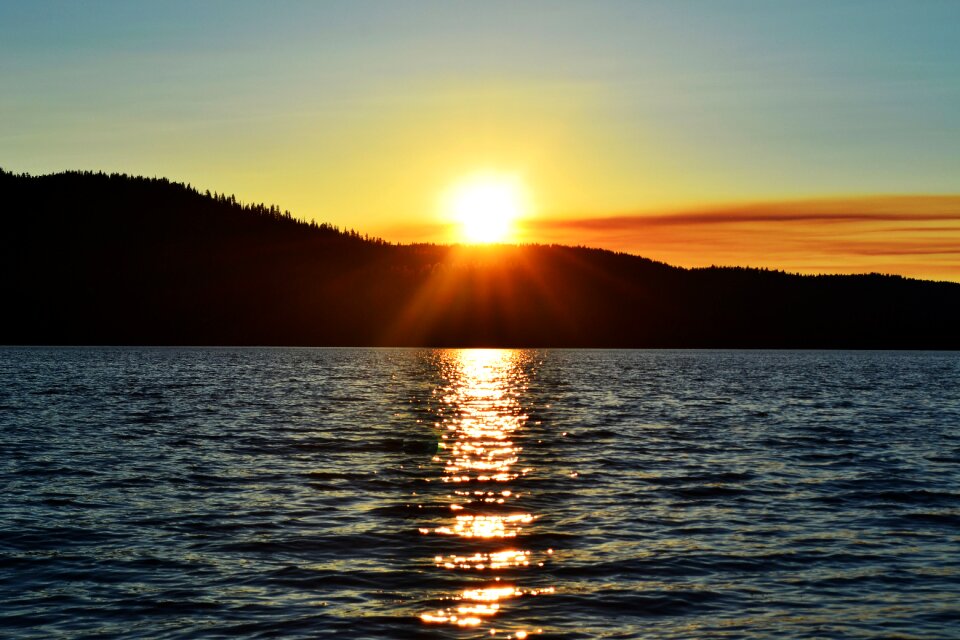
(819, 137)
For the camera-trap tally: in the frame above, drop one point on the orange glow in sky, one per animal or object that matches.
(913, 236)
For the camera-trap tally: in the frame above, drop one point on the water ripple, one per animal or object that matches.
(364, 493)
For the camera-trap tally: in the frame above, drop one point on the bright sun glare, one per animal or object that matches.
(486, 206)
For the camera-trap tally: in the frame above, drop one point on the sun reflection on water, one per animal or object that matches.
(480, 419)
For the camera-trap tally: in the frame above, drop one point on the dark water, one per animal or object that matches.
(170, 493)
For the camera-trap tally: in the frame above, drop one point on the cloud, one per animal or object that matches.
(915, 236)
(872, 209)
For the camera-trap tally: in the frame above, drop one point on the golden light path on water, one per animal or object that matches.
(481, 418)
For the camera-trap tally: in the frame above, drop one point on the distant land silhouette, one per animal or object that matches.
(90, 258)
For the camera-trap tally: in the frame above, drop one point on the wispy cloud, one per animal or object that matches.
(911, 235)
(885, 209)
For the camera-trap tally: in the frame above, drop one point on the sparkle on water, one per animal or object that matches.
(481, 417)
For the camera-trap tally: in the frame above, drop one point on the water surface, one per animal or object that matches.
(375, 493)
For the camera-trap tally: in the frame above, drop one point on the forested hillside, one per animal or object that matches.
(90, 258)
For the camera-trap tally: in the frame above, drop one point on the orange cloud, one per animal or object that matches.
(875, 209)
(917, 236)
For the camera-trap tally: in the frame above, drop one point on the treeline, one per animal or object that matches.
(91, 258)
(177, 201)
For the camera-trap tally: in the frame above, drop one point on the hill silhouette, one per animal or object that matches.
(91, 258)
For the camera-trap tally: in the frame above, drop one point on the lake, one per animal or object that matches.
(405, 493)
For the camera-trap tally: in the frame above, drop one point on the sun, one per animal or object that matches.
(486, 207)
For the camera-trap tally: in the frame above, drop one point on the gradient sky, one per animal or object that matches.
(363, 113)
